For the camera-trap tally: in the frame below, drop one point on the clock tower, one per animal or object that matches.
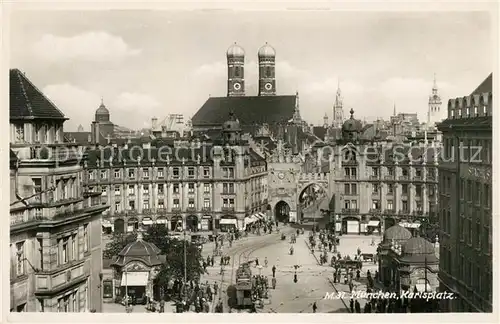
(267, 67)
(235, 71)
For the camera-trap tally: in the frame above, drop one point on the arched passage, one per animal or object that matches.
(350, 225)
(282, 211)
(119, 226)
(192, 223)
(311, 194)
(389, 222)
(176, 224)
(132, 224)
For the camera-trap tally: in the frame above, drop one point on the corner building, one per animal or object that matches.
(55, 227)
(465, 202)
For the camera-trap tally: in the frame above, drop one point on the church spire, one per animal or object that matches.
(434, 86)
(394, 111)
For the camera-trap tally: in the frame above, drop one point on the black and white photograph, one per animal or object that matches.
(234, 161)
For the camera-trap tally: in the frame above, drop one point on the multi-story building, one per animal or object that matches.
(466, 201)
(379, 183)
(55, 227)
(191, 184)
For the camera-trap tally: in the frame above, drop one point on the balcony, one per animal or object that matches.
(374, 177)
(228, 209)
(227, 192)
(147, 211)
(64, 276)
(375, 211)
(389, 177)
(206, 209)
(191, 209)
(25, 216)
(390, 211)
(176, 209)
(54, 153)
(376, 194)
(350, 210)
(161, 211)
(404, 177)
(417, 178)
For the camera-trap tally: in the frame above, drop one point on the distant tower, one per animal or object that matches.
(325, 121)
(267, 68)
(102, 124)
(434, 110)
(80, 129)
(338, 109)
(235, 71)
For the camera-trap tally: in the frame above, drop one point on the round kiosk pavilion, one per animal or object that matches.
(393, 240)
(136, 268)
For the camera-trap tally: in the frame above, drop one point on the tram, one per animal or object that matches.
(244, 286)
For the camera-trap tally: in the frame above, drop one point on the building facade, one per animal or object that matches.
(55, 226)
(188, 185)
(378, 184)
(465, 203)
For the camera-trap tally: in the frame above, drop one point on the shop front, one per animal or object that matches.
(206, 223)
(228, 224)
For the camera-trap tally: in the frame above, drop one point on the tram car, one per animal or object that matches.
(244, 286)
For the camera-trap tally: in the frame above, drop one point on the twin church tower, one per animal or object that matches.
(236, 71)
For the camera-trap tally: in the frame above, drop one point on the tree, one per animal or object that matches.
(158, 235)
(118, 242)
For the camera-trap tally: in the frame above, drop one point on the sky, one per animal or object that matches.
(146, 64)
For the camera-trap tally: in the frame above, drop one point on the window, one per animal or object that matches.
(117, 206)
(405, 172)
(131, 205)
(418, 190)
(161, 189)
(145, 173)
(347, 189)
(74, 247)
(225, 202)
(375, 204)
(86, 238)
(131, 190)
(375, 172)
(354, 204)
(375, 188)
(478, 235)
(176, 188)
(104, 191)
(175, 173)
(390, 206)
(459, 112)
(404, 189)
(206, 203)
(347, 204)
(103, 174)
(228, 188)
(91, 175)
(206, 172)
(347, 172)
(190, 188)
(20, 269)
(161, 204)
(405, 205)
(228, 173)
(63, 304)
(485, 112)
(117, 190)
(452, 113)
(191, 203)
(145, 204)
(354, 189)
(206, 187)
(63, 250)
(160, 172)
(176, 203)
(418, 172)
(19, 132)
(390, 188)
(231, 202)
(353, 173)
(390, 171)
(145, 189)
(117, 173)
(131, 173)
(190, 172)
(40, 252)
(37, 133)
(468, 112)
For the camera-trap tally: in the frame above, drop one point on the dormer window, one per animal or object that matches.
(484, 110)
(460, 113)
(475, 111)
(452, 113)
(468, 111)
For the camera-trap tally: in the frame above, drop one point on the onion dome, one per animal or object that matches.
(352, 125)
(140, 250)
(235, 50)
(418, 250)
(267, 51)
(397, 233)
(102, 110)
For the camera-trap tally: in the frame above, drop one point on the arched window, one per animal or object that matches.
(237, 71)
(268, 72)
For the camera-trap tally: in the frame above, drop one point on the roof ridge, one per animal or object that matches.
(43, 94)
(20, 77)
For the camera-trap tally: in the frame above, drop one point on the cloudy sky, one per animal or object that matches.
(153, 63)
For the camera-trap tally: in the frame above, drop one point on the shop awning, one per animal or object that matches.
(139, 278)
(409, 225)
(161, 221)
(228, 221)
(262, 214)
(250, 220)
(258, 216)
(147, 221)
(373, 223)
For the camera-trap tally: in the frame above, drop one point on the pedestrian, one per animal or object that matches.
(351, 287)
(359, 251)
(351, 305)
(212, 261)
(358, 275)
(256, 262)
(357, 306)
(265, 262)
(273, 281)
(162, 305)
(274, 271)
(314, 307)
